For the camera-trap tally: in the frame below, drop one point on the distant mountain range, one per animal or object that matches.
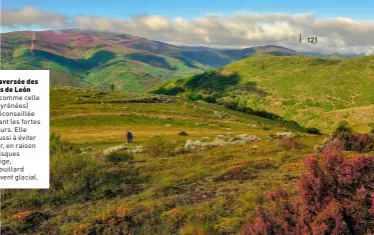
(97, 59)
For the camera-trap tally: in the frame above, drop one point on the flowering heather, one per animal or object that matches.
(335, 196)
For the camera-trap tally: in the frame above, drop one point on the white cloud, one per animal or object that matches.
(29, 16)
(241, 29)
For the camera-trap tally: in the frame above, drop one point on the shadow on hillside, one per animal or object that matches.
(209, 58)
(186, 61)
(153, 60)
(251, 87)
(212, 81)
(96, 59)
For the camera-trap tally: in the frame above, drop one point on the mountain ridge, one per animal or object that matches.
(98, 59)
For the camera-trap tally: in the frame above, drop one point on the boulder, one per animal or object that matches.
(246, 138)
(281, 135)
(217, 114)
(114, 149)
(136, 150)
(220, 140)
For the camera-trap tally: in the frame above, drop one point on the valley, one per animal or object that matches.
(224, 141)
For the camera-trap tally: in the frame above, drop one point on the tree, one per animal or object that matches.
(112, 86)
(335, 196)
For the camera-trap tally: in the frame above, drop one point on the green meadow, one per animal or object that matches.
(315, 92)
(156, 191)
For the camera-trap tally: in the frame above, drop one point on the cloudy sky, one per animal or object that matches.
(341, 26)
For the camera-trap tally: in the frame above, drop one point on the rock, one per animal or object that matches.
(281, 135)
(218, 114)
(168, 125)
(136, 150)
(194, 145)
(246, 138)
(114, 149)
(199, 123)
(220, 140)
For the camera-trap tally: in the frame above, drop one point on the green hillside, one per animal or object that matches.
(97, 59)
(157, 186)
(76, 58)
(305, 89)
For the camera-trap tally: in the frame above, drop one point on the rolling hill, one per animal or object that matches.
(79, 58)
(97, 59)
(91, 192)
(316, 92)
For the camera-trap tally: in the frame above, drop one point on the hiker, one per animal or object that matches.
(129, 137)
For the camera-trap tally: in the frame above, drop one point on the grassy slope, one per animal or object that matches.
(99, 58)
(296, 87)
(96, 121)
(78, 58)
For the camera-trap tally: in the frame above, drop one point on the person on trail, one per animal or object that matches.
(129, 137)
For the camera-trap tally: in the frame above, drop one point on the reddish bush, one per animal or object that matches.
(335, 196)
(358, 142)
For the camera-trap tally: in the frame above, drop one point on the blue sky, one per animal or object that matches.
(357, 9)
(345, 26)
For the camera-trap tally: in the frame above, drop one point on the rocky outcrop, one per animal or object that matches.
(281, 135)
(134, 150)
(220, 140)
(114, 149)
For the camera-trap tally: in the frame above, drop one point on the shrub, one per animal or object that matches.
(358, 142)
(335, 196)
(169, 90)
(289, 143)
(343, 126)
(193, 96)
(59, 146)
(372, 127)
(174, 219)
(313, 131)
(112, 87)
(119, 156)
(183, 133)
(228, 225)
(193, 229)
(74, 178)
(210, 99)
(157, 146)
(27, 220)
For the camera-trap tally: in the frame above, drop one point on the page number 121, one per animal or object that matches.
(312, 39)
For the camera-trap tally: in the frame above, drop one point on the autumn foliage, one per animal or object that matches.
(335, 196)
